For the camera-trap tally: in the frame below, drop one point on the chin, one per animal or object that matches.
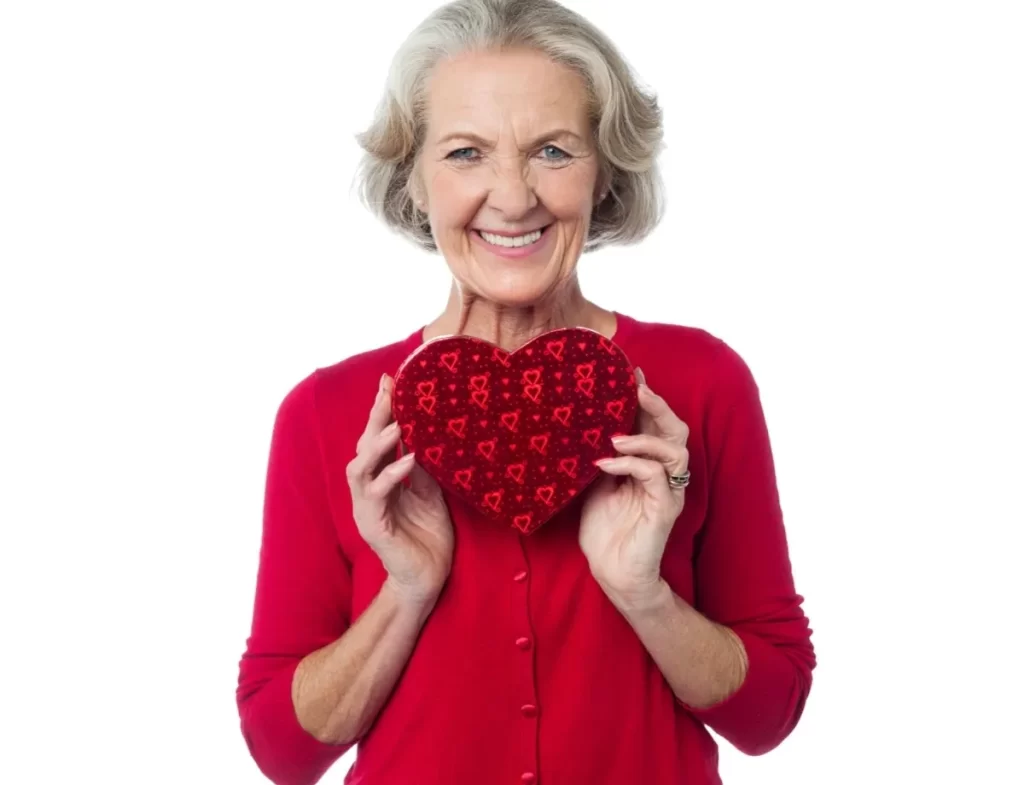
(520, 281)
(515, 293)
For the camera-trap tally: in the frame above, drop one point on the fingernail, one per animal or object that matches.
(390, 430)
(380, 384)
(640, 378)
(618, 438)
(601, 461)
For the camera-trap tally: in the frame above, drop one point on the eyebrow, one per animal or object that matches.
(477, 139)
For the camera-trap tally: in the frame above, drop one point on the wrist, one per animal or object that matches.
(639, 598)
(414, 601)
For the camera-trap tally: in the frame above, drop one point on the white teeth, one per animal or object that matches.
(511, 242)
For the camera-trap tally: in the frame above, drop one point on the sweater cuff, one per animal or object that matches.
(755, 717)
(282, 748)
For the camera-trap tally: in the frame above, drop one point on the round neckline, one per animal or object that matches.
(623, 325)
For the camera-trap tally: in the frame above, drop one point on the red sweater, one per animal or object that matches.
(525, 672)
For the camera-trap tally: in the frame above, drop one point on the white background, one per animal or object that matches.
(180, 244)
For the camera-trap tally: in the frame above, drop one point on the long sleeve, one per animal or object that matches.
(742, 571)
(302, 601)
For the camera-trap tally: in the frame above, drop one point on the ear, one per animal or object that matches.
(416, 190)
(602, 186)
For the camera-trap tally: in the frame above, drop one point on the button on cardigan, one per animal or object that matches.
(525, 672)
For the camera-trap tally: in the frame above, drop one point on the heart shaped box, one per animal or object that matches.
(515, 434)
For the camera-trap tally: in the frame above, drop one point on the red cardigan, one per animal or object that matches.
(525, 672)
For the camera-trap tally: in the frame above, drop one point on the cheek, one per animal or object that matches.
(568, 194)
(454, 200)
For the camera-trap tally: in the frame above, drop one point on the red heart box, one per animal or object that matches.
(515, 434)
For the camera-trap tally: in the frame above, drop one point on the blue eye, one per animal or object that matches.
(455, 154)
(559, 154)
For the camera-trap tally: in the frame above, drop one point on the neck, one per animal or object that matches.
(511, 326)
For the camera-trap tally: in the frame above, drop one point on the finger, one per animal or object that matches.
(371, 455)
(389, 477)
(380, 412)
(673, 457)
(660, 415)
(650, 474)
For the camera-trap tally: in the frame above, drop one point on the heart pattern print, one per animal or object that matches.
(515, 434)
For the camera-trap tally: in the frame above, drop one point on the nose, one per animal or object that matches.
(512, 192)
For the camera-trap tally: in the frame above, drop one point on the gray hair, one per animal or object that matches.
(626, 120)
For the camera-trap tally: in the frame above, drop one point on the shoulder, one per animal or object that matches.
(678, 356)
(362, 371)
(343, 392)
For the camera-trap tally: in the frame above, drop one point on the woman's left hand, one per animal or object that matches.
(624, 526)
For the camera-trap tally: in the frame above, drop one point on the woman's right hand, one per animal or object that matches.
(408, 527)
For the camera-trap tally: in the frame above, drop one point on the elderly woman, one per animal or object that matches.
(599, 648)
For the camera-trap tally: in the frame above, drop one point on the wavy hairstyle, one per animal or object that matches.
(626, 120)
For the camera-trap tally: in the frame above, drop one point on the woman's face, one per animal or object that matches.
(508, 173)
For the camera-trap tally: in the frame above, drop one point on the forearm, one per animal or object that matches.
(339, 689)
(703, 662)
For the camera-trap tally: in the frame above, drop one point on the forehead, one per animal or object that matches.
(491, 88)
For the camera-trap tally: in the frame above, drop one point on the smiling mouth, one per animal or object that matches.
(520, 241)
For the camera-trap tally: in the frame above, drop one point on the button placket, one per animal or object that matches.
(528, 677)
